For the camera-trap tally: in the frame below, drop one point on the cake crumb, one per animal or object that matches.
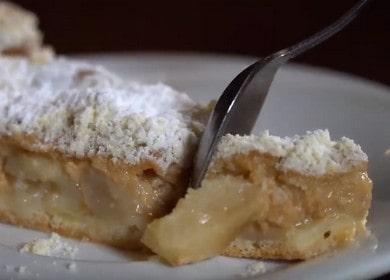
(71, 266)
(254, 269)
(53, 247)
(21, 269)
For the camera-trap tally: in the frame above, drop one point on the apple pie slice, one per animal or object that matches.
(91, 156)
(269, 197)
(88, 155)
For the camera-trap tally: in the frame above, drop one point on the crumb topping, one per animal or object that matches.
(53, 246)
(83, 110)
(314, 153)
(18, 27)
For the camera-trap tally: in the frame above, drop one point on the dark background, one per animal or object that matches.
(249, 27)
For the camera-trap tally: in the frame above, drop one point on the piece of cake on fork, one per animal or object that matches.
(270, 197)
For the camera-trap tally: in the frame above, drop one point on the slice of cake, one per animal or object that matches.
(88, 155)
(82, 152)
(269, 197)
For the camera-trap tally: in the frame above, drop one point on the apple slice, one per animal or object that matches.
(204, 223)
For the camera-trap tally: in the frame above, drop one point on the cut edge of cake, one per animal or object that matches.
(300, 197)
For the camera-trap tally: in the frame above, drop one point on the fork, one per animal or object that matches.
(237, 109)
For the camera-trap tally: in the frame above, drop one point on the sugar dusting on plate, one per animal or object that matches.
(72, 267)
(254, 269)
(53, 247)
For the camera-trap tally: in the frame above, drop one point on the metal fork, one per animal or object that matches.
(238, 107)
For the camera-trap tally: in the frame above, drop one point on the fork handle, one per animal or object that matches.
(259, 75)
(325, 33)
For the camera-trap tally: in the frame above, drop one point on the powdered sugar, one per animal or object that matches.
(84, 110)
(313, 153)
(316, 153)
(233, 144)
(53, 246)
(254, 269)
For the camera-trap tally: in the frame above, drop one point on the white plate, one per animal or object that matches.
(302, 98)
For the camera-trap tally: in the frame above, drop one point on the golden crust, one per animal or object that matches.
(258, 250)
(282, 251)
(45, 224)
